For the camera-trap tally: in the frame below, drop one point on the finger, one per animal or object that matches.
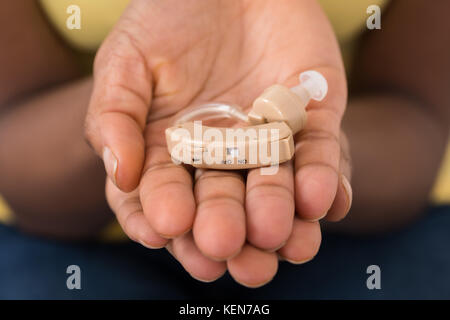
(317, 151)
(253, 267)
(344, 196)
(128, 210)
(303, 243)
(270, 207)
(219, 227)
(196, 264)
(118, 109)
(166, 191)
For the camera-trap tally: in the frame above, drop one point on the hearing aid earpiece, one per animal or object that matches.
(278, 103)
(279, 111)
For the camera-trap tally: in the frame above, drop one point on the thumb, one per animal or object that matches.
(118, 109)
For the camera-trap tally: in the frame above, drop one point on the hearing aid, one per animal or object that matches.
(265, 137)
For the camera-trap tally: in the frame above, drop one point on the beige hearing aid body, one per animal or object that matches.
(276, 116)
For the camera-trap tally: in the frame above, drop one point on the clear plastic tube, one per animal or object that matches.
(312, 83)
(211, 111)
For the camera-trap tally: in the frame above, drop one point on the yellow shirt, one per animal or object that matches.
(348, 18)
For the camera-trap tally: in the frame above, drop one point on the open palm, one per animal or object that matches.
(164, 56)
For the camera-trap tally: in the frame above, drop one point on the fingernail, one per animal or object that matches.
(276, 248)
(348, 192)
(149, 246)
(297, 262)
(110, 162)
(254, 286)
(317, 219)
(205, 280)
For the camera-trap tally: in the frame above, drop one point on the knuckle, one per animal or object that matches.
(318, 135)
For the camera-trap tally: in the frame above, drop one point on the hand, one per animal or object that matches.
(162, 57)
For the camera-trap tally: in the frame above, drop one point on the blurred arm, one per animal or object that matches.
(48, 174)
(398, 116)
(32, 57)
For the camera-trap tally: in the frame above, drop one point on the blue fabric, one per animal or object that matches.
(415, 264)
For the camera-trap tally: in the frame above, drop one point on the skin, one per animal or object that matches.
(226, 51)
(29, 38)
(42, 107)
(40, 188)
(45, 109)
(399, 117)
